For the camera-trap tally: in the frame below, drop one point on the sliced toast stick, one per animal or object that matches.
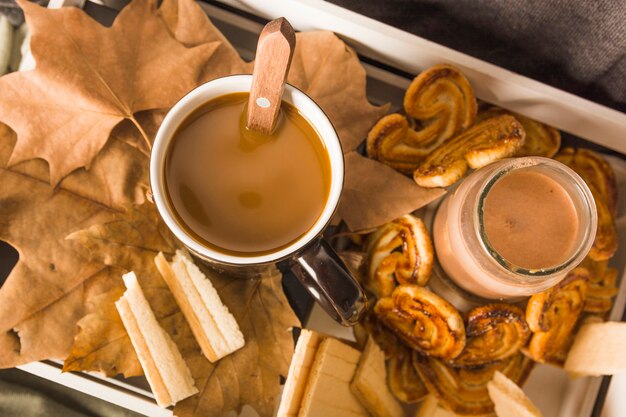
(214, 327)
(164, 367)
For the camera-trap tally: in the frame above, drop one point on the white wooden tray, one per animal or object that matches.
(402, 56)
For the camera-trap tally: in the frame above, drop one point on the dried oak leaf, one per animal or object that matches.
(89, 77)
(43, 296)
(251, 375)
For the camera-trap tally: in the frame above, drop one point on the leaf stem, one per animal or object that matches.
(143, 132)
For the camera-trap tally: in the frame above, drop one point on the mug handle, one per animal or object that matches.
(329, 281)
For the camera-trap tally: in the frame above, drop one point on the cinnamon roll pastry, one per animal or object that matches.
(464, 390)
(423, 320)
(553, 315)
(442, 100)
(600, 178)
(485, 142)
(404, 381)
(399, 252)
(541, 139)
(494, 332)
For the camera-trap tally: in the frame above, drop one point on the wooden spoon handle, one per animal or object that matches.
(273, 58)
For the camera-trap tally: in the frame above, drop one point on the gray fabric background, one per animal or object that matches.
(576, 45)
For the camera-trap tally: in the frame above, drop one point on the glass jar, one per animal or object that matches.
(463, 248)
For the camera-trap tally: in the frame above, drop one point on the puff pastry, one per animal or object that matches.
(399, 252)
(600, 178)
(553, 316)
(494, 332)
(541, 139)
(485, 142)
(442, 102)
(404, 381)
(423, 320)
(602, 287)
(464, 390)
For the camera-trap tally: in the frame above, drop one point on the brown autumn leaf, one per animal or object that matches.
(43, 296)
(129, 241)
(335, 78)
(374, 193)
(251, 375)
(89, 77)
(330, 72)
(102, 344)
(191, 26)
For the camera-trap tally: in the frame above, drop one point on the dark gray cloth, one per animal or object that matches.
(13, 12)
(26, 395)
(575, 45)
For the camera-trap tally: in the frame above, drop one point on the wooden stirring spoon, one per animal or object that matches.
(273, 58)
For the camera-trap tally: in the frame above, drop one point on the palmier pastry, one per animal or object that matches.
(386, 340)
(600, 178)
(541, 139)
(399, 252)
(423, 320)
(464, 390)
(403, 379)
(494, 332)
(443, 101)
(485, 142)
(553, 315)
(602, 287)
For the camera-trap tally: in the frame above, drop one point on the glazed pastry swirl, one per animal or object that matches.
(399, 252)
(494, 332)
(423, 320)
(403, 379)
(386, 340)
(443, 101)
(485, 142)
(602, 287)
(553, 315)
(541, 139)
(600, 178)
(464, 390)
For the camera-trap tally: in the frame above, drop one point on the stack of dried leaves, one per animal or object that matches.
(74, 173)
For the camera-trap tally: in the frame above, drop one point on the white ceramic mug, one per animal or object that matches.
(311, 258)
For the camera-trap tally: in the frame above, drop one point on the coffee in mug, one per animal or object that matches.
(242, 193)
(240, 201)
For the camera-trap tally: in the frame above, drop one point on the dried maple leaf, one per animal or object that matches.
(129, 241)
(374, 194)
(102, 343)
(43, 296)
(89, 77)
(250, 375)
(330, 72)
(190, 25)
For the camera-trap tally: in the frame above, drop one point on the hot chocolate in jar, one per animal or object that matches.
(514, 228)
